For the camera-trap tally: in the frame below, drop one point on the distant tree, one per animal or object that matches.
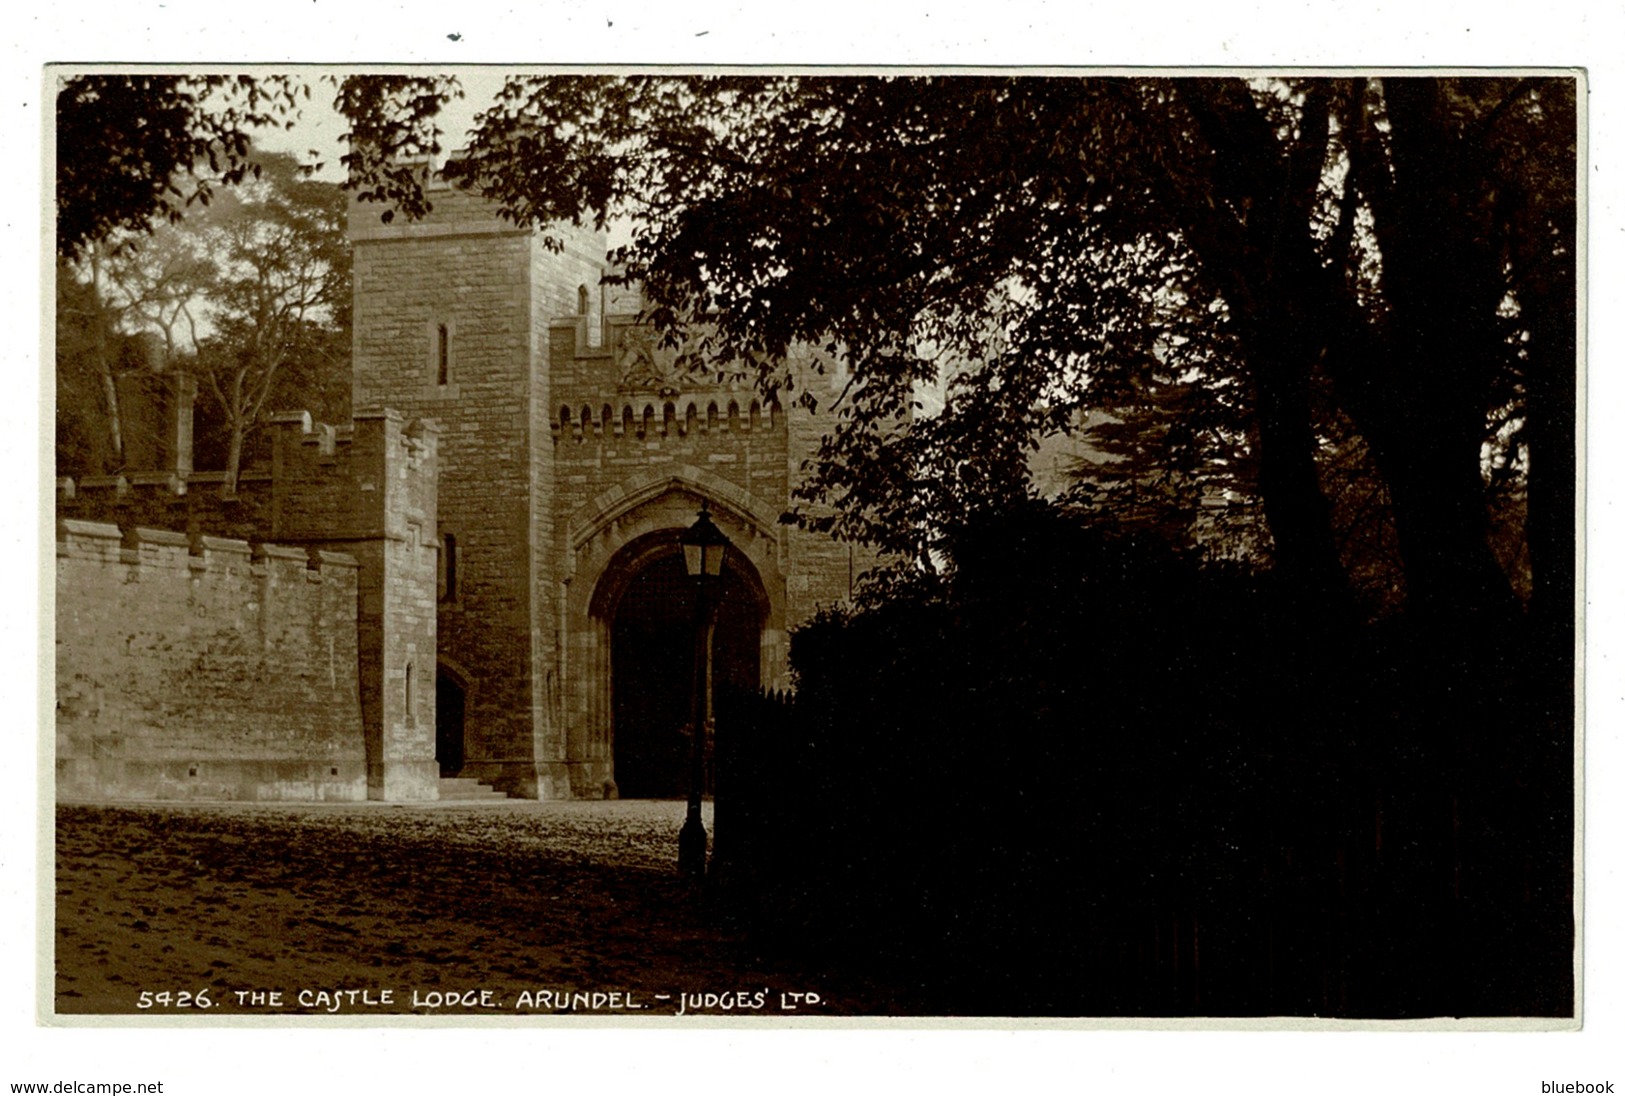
(90, 354)
(252, 296)
(277, 299)
(90, 429)
(107, 301)
(157, 286)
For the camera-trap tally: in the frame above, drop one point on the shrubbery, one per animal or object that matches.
(1082, 775)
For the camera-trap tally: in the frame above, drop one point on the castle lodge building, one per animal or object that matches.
(503, 514)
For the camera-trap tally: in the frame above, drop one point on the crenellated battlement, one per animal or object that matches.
(189, 502)
(300, 602)
(649, 418)
(166, 550)
(370, 479)
(133, 485)
(324, 482)
(195, 666)
(323, 437)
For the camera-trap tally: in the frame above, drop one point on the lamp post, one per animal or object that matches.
(704, 547)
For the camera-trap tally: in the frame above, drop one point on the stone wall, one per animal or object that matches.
(190, 503)
(366, 490)
(608, 433)
(450, 325)
(224, 672)
(371, 491)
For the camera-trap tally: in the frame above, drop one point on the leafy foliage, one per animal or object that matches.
(1030, 246)
(137, 150)
(279, 292)
(392, 135)
(848, 215)
(250, 296)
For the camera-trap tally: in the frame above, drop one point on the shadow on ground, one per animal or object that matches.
(542, 905)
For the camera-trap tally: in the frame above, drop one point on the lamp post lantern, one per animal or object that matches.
(704, 547)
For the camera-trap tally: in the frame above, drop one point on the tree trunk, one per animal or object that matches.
(234, 460)
(115, 433)
(1297, 510)
(1256, 245)
(1444, 279)
(1443, 284)
(104, 368)
(1452, 575)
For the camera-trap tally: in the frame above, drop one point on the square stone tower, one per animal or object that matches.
(572, 455)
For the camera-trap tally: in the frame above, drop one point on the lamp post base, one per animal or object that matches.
(691, 848)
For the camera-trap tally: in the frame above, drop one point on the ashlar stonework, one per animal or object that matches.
(509, 527)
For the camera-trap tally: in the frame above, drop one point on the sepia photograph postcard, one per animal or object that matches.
(710, 552)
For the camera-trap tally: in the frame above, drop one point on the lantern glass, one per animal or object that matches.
(704, 547)
(713, 558)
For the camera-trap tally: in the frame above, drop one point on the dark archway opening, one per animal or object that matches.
(449, 705)
(652, 660)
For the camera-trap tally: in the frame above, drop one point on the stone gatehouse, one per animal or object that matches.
(516, 510)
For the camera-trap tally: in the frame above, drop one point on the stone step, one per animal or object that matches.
(465, 788)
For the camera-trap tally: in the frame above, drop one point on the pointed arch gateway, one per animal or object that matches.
(630, 618)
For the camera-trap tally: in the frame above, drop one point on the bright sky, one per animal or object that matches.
(320, 128)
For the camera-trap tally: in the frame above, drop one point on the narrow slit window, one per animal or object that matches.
(448, 567)
(442, 355)
(594, 311)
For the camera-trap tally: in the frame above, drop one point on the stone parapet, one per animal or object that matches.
(204, 668)
(191, 502)
(647, 417)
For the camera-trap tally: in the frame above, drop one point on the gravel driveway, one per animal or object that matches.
(500, 909)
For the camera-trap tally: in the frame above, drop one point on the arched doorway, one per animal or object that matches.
(651, 632)
(450, 700)
(613, 539)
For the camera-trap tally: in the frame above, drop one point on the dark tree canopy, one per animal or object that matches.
(1390, 256)
(134, 150)
(925, 232)
(1401, 247)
